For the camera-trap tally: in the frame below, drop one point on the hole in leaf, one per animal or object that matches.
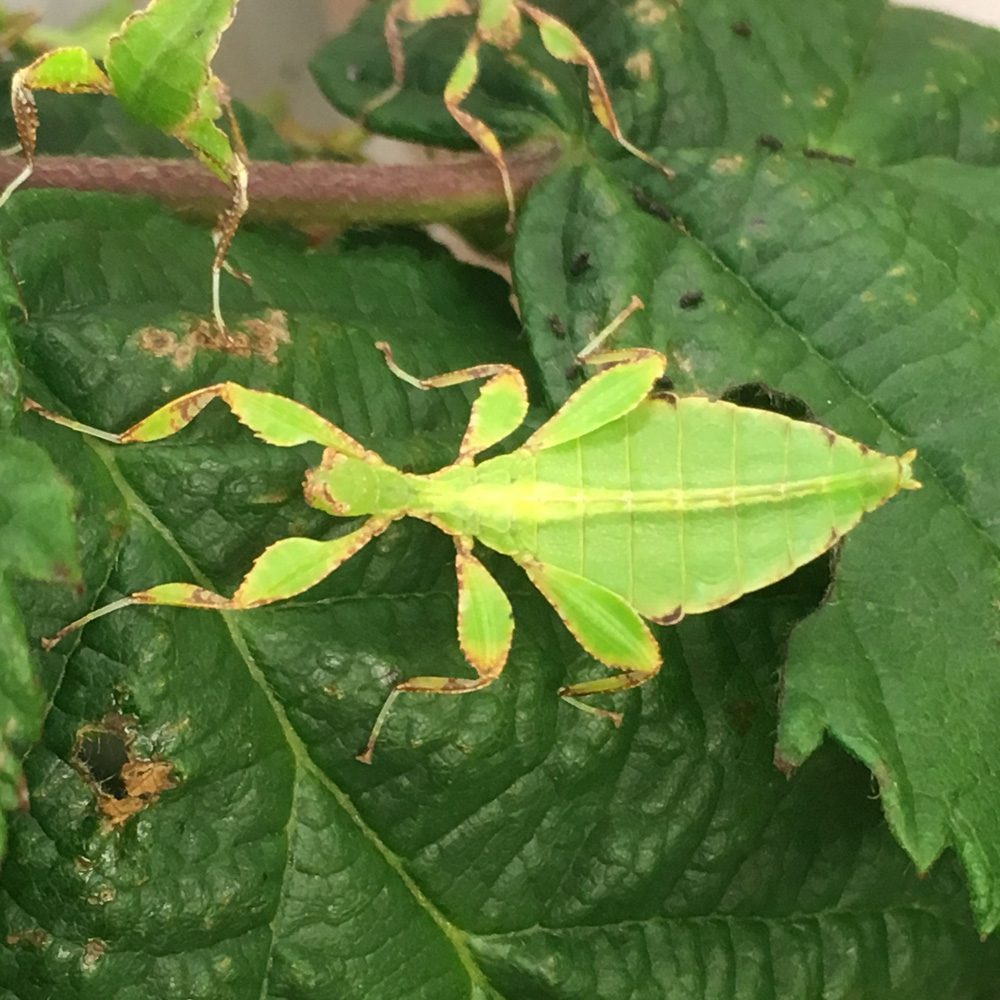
(104, 754)
(124, 782)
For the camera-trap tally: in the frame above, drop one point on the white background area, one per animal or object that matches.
(983, 11)
(66, 11)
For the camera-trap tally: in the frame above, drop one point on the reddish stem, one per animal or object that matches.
(443, 189)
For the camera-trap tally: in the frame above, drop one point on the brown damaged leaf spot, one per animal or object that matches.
(159, 343)
(254, 337)
(34, 938)
(124, 782)
(93, 952)
(144, 781)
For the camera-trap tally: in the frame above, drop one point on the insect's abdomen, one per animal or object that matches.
(686, 505)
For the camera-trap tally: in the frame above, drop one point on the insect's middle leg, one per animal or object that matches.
(485, 631)
(499, 410)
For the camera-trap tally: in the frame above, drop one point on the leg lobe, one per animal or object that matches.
(485, 631)
(605, 625)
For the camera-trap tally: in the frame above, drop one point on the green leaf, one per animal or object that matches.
(502, 845)
(869, 293)
(37, 542)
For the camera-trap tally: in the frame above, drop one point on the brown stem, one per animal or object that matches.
(440, 190)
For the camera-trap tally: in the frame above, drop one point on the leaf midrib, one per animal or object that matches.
(303, 760)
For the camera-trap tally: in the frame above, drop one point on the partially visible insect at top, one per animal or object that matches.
(158, 65)
(499, 23)
(628, 504)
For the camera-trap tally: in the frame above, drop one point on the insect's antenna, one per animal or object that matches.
(366, 755)
(396, 370)
(612, 328)
(86, 619)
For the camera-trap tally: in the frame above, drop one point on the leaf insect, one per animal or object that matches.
(499, 23)
(158, 66)
(628, 504)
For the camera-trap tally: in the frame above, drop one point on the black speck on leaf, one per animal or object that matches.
(772, 142)
(579, 264)
(811, 153)
(652, 206)
(557, 326)
(691, 299)
(741, 29)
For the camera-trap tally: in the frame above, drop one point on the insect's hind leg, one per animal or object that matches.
(498, 411)
(628, 376)
(282, 570)
(485, 631)
(605, 625)
(605, 685)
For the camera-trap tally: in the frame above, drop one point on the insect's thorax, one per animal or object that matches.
(346, 486)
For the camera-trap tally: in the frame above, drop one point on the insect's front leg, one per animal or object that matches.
(281, 571)
(485, 632)
(274, 419)
(499, 410)
(66, 71)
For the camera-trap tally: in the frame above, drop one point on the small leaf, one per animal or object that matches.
(37, 542)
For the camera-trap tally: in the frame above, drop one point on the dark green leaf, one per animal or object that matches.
(502, 845)
(37, 542)
(890, 340)
(869, 292)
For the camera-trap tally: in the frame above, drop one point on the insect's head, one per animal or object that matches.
(349, 485)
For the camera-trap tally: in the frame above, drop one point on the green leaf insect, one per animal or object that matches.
(499, 23)
(158, 66)
(626, 505)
